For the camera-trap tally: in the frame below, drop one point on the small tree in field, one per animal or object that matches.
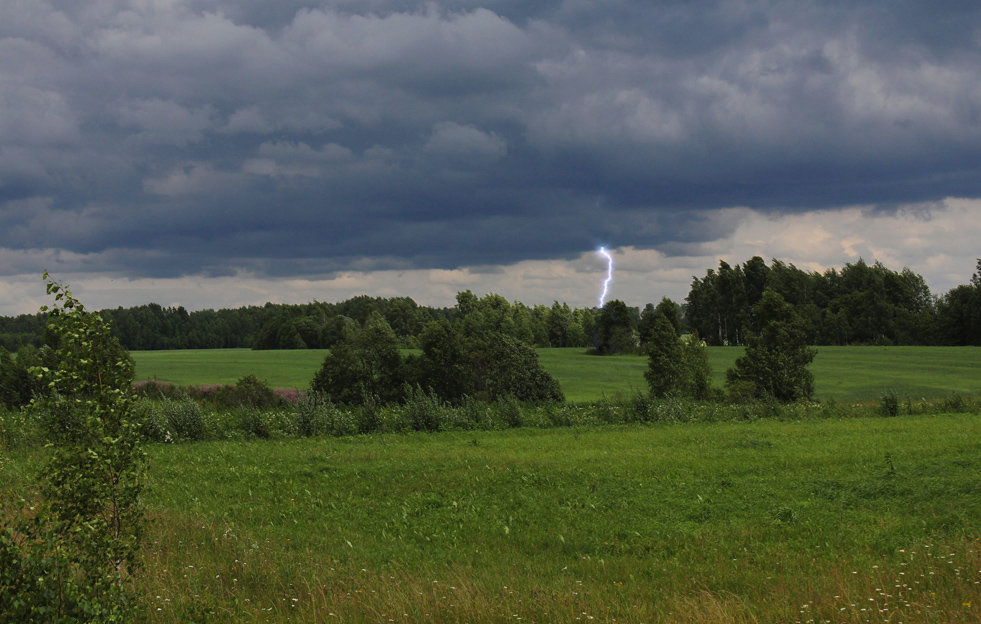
(664, 366)
(776, 360)
(676, 367)
(70, 560)
(695, 364)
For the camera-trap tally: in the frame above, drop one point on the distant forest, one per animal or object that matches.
(858, 304)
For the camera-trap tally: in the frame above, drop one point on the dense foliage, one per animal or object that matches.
(365, 365)
(615, 329)
(776, 359)
(68, 561)
(475, 356)
(677, 365)
(316, 325)
(17, 385)
(858, 304)
(151, 326)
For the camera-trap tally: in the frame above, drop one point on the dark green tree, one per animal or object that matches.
(669, 309)
(17, 385)
(959, 313)
(645, 326)
(703, 308)
(476, 356)
(696, 373)
(615, 329)
(444, 366)
(755, 274)
(559, 325)
(364, 365)
(676, 367)
(664, 366)
(513, 370)
(776, 359)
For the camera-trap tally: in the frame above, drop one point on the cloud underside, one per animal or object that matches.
(813, 241)
(299, 139)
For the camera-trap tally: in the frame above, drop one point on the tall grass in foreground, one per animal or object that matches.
(835, 520)
(865, 519)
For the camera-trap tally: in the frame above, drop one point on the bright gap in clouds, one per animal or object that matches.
(938, 241)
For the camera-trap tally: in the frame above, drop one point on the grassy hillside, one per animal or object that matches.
(841, 373)
(859, 520)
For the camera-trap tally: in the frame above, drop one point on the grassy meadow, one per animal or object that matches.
(841, 519)
(841, 373)
(834, 520)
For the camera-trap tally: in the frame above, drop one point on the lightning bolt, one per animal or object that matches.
(609, 274)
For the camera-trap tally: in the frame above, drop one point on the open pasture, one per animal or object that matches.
(853, 520)
(841, 373)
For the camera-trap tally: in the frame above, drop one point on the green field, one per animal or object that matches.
(853, 520)
(841, 373)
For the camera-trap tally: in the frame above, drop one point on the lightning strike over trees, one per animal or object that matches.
(609, 275)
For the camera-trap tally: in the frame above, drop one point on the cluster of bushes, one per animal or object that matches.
(471, 357)
(774, 367)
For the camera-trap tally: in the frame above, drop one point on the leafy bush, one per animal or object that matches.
(310, 416)
(184, 418)
(475, 413)
(511, 369)
(41, 582)
(424, 410)
(673, 410)
(315, 415)
(368, 414)
(641, 408)
(364, 363)
(476, 359)
(615, 331)
(153, 425)
(254, 422)
(249, 391)
(954, 403)
(509, 411)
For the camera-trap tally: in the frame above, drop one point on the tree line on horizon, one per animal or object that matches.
(860, 304)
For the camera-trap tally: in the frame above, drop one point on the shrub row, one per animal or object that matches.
(181, 418)
(185, 419)
(248, 391)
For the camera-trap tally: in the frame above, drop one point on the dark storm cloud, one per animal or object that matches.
(293, 137)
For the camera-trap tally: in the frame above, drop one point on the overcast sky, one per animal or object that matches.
(215, 153)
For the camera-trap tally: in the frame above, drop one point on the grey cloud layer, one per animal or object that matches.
(166, 138)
